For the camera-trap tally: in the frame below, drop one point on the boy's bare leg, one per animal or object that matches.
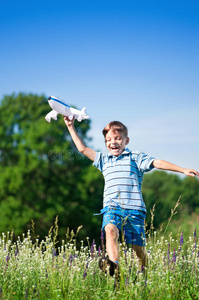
(142, 255)
(112, 248)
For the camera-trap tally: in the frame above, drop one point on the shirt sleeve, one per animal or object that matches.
(144, 162)
(98, 163)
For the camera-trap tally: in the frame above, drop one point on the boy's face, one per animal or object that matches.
(116, 142)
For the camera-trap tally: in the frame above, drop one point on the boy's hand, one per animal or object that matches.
(77, 140)
(69, 122)
(165, 165)
(191, 172)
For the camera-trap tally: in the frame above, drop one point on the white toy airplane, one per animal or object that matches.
(60, 107)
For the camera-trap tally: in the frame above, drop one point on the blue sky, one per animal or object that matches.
(129, 60)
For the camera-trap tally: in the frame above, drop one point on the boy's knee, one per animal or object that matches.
(111, 231)
(140, 251)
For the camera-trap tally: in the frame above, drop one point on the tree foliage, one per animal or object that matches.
(42, 174)
(164, 189)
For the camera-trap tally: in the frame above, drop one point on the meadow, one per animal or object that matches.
(33, 269)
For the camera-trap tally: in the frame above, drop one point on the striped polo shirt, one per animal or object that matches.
(123, 177)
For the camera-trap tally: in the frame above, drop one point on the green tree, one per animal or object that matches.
(190, 195)
(164, 189)
(42, 174)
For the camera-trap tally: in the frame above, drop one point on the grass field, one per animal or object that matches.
(33, 269)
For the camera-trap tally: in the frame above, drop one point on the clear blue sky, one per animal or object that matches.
(129, 60)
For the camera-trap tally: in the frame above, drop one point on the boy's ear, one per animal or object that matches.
(127, 140)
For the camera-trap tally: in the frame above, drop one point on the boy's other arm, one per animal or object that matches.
(90, 153)
(165, 165)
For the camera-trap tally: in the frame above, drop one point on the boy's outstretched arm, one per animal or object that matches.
(78, 142)
(165, 165)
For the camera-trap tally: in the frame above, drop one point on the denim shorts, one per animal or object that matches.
(129, 222)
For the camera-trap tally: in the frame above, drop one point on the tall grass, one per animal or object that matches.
(33, 269)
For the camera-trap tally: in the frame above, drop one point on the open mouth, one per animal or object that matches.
(114, 148)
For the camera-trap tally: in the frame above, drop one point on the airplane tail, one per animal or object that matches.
(83, 110)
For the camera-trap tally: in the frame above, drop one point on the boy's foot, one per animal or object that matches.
(105, 264)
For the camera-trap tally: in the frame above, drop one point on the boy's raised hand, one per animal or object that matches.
(77, 140)
(69, 122)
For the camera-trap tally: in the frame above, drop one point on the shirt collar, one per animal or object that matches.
(126, 151)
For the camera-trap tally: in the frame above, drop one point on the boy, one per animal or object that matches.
(123, 206)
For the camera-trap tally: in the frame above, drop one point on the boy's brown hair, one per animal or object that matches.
(115, 126)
